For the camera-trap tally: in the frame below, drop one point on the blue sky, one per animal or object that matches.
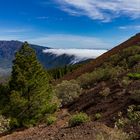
(70, 23)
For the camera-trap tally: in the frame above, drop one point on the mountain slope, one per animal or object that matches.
(110, 97)
(89, 67)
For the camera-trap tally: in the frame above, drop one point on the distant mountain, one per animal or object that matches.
(49, 59)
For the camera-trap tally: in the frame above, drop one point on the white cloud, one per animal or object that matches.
(42, 17)
(132, 27)
(16, 30)
(103, 10)
(80, 54)
(70, 41)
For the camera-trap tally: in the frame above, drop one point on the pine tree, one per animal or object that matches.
(29, 87)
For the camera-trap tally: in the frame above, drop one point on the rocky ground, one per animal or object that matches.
(89, 131)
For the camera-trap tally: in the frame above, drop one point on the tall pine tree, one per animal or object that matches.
(29, 87)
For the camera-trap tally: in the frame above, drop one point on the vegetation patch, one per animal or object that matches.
(134, 76)
(4, 124)
(50, 120)
(98, 116)
(68, 91)
(78, 119)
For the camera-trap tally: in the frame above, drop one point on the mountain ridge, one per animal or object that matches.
(48, 60)
(89, 67)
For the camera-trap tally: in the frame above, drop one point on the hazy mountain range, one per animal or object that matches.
(49, 57)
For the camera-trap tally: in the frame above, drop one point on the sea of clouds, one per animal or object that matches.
(80, 54)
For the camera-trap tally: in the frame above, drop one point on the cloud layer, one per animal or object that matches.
(80, 54)
(130, 27)
(103, 10)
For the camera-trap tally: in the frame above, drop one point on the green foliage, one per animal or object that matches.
(78, 119)
(52, 107)
(134, 76)
(14, 123)
(50, 120)
(67, 91)
(126, 58)
(125, 81)
(98, 75)
(30, 91)
(133, 114)
(105, 92)
(134, 60)
(59, 72)
(4, 124)
(132, 118)
(98, 116)
(4, 97)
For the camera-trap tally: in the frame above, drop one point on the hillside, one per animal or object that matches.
(107, 90)
(89, 67)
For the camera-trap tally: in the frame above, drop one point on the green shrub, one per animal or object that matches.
(133, 114)
(134, 76)
(14, 123)
(51, 108)
(105, 92)
(133, 60)
(98, 75)
(78, 119)
(4, 124)
(98, 116)
(86, 80)
(50, 120)
(103, 73)
(68, 91)
(125, 81)
(132, 117)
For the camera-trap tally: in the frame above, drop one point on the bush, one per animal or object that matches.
(105, 92)
(125, 81)
(52, 106)
(133, 60)
(132, 118)
(78, 119)
(68, 91)
(4, 124)
(14, 123)
(98, 116)
(50, 120)
(133, 114)
(134, 76)
(98, 75)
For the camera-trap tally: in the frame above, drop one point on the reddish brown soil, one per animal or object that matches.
(92, 102)
(87, 131)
